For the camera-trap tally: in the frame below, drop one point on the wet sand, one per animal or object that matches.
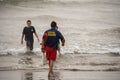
(67, 67)
(59, 75)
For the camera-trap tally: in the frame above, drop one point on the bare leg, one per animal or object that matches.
(59, 53)
(51, 62)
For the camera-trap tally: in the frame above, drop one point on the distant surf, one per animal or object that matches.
(89, 26)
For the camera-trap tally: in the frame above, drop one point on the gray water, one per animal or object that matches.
(89, 26)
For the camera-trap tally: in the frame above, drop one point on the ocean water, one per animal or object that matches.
(89, 26)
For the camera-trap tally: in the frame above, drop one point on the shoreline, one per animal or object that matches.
(67, 62)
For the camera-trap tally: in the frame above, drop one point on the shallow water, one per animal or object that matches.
(69, 62)
(89, 26)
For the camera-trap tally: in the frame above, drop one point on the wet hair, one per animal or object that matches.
(28, 21)
(53, 24)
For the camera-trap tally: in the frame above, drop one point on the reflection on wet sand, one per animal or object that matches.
(28, 76)
(59, 75)
(51, 78)
(56, 76)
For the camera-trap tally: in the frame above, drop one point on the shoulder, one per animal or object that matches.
(25, 27)
(33, 27)
(58, 32)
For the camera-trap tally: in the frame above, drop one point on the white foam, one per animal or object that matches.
(13, 51)
(64, 50)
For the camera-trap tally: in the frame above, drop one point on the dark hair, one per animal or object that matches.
(28, 21)
(53, 24)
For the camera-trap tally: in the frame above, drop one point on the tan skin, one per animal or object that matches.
(51, 62)
(29, 25)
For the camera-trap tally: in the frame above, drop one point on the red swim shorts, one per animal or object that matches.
(51, 53)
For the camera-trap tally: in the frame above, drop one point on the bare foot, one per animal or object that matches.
(50, 74)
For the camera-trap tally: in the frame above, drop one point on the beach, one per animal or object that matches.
(72, 62)
(91, 29)
(67, 67)
(60, 75)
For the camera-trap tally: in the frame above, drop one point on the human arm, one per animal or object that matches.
(63, 42)
(61, 37)
(22, 38)
(34, 31)
(44, 40)
(37, 36)
(43, 47)
(23, 33)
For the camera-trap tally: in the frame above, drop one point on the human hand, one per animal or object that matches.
(21, 41)
(43, 50)
(63, 44)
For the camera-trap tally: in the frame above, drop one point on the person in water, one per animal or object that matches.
(28, 33)
(50, 43)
